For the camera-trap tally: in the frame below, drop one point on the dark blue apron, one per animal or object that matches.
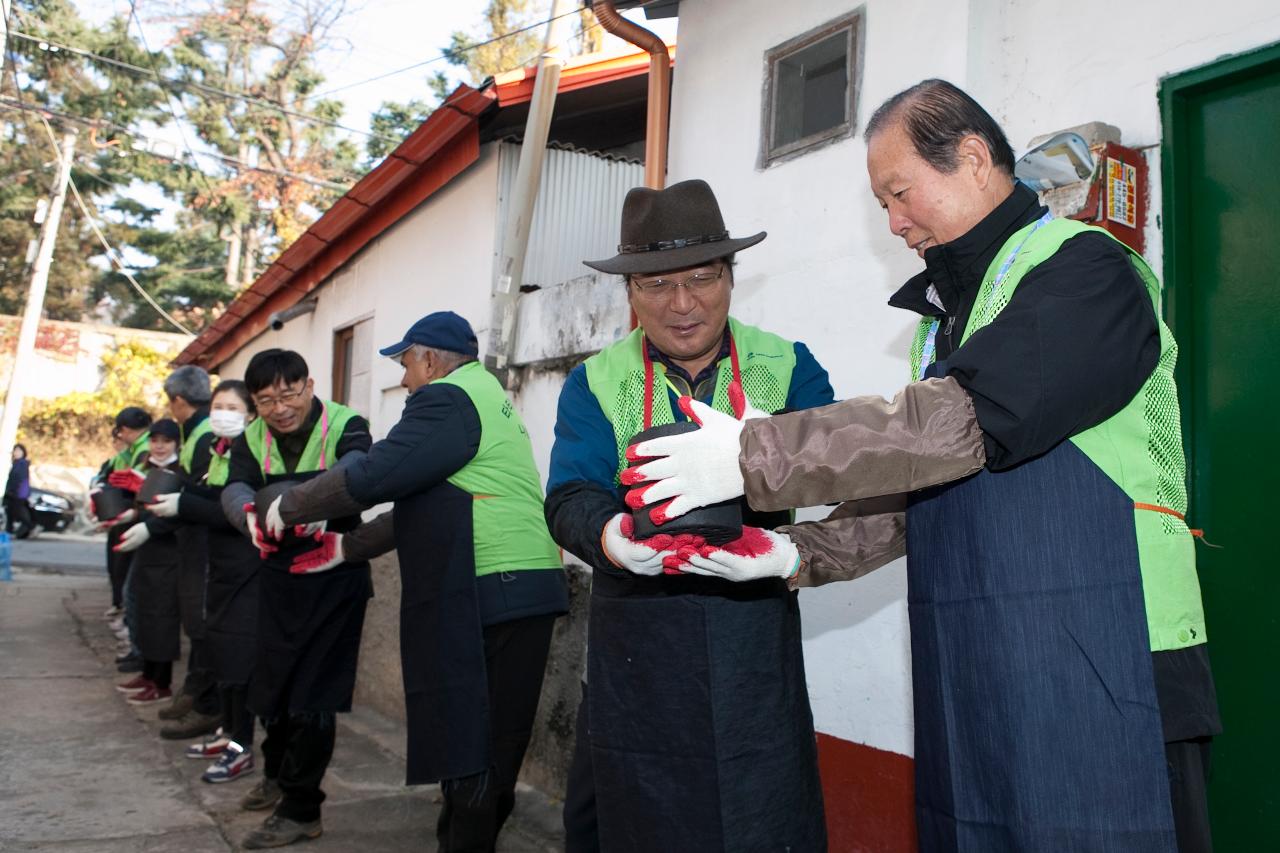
(1036, 720)
(700, 729)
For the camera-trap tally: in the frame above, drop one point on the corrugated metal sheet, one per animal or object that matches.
(578, 213)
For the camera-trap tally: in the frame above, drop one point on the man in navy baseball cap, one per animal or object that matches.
(443, 330)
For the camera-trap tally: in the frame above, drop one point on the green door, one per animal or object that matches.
(1222, 274)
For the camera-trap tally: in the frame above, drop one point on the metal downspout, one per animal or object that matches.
(524, 194)
(659, 103)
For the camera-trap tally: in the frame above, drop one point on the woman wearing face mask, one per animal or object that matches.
(231, 592)
(155, 584)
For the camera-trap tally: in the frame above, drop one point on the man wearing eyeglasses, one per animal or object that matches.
(672, 750)
(309, 623)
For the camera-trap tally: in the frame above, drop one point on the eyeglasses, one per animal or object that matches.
(287, 398)
(659, 289)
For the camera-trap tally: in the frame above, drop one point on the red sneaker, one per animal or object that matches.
(138, 682)
(150, 695)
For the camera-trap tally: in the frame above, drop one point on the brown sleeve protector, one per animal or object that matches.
(371, 539)
(857, 538)
(864, 447)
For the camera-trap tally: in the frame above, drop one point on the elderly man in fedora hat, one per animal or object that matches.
(696, 732)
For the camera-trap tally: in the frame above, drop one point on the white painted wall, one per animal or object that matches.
(829, 264)
(439, 257)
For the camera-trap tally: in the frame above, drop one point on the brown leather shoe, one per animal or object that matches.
(181, 704)
(261, 796)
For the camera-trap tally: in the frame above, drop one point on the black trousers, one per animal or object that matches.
(476, 807)
(296, 753)
(237, 719)
(581, 834)
(160, 672)
(200, 683)
(18, 517)
(1188, 776)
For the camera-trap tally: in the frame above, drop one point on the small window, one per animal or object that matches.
(352, 357)
(811, 90)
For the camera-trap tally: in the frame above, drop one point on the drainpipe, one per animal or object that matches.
(524, 194)
(655, 137)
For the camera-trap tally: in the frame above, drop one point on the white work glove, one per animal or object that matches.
(133, 539)
(757, 554)
(692, 469)
(641, 558)
(166, 505)
(276, 526)
(255, 532)
(322, 559)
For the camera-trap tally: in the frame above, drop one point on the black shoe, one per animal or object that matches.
(193, 724)
(179, 708)
(130, 663)
(279, 831)
(128, 657)
(261, 796)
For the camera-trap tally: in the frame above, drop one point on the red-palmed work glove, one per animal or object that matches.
(757, 554)
(123, 518)
(133, 539)
(255, 533)
(327, 556)
(689, 470)
(128, 479)
(645, 556)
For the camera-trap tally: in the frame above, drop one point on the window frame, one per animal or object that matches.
(852, 22)
(344, 339)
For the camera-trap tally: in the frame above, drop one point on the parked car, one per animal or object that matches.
(49, 510)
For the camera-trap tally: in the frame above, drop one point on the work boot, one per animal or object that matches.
(192, 724)
(261, 796)
(279, 831)
(182, 703)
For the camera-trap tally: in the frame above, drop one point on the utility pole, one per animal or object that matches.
(24, 355)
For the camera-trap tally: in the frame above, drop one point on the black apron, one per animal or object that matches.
(193, 562)
(309, 629)
(231, 603)
(441, 640)
(700, 728)
(154, 573)
(1036, 720)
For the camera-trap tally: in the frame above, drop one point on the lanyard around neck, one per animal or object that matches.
(324, 442)
(930, 349)
(737, 397)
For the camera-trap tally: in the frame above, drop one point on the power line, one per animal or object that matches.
(9, 103)
(168, 100)
(446, 55)
(193, 84)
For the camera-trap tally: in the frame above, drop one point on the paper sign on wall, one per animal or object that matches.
(1122, 192)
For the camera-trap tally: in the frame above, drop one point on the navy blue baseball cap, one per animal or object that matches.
(442, 330)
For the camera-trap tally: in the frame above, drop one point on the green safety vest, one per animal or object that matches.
(219, 467)
(616, 377)
(187, 455)
(1139, 448)
(508, 528)
(321, 451)
(131, 456)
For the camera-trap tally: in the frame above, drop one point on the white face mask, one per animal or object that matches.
(168, 460)
(226, 423)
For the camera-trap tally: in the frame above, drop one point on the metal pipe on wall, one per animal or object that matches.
(659, 104)
(533, 148)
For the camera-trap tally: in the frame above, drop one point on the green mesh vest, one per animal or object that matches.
(615, 376)
(1139, 448)
(508, 527)
(219, 468)
(189, 444)
(131, 456)
(321, 451)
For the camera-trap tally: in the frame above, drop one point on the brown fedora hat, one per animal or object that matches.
(670, 229)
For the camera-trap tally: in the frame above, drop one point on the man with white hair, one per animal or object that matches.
(481, 581)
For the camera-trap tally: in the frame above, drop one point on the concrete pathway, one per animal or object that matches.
(81, 771)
